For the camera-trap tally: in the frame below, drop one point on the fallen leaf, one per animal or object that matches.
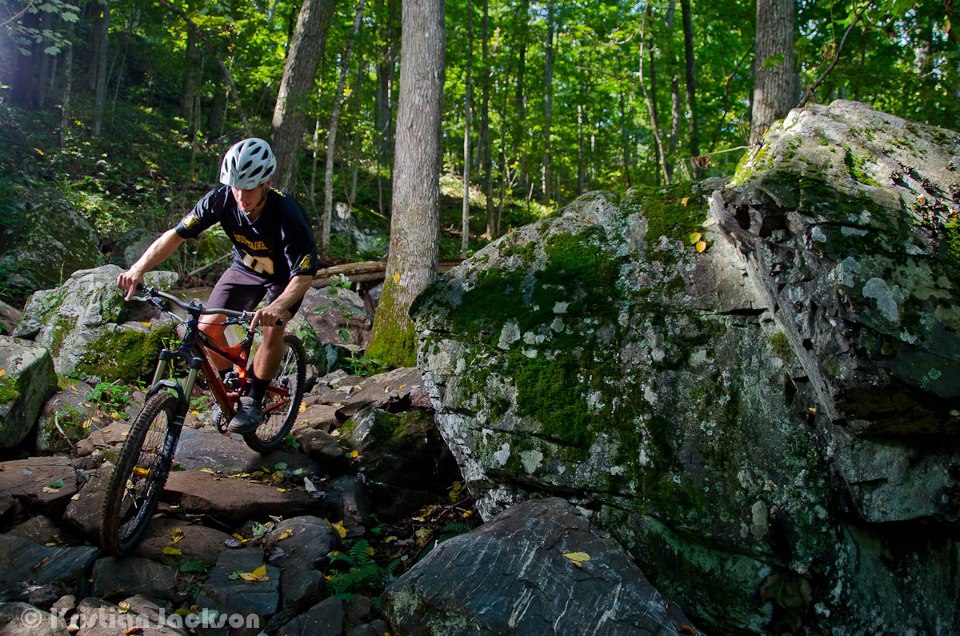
(577, 558)
(133, 631)
(208, 470)
(694, 237)
(56, 483)
(286, 534)
(3, 373)
(309, 485)
(257, 576)
(303, 407)
(340, 530)
(123, 607)
(396, 278)
(354, 454)
(171, 551)
(684, 201)
(701, 245)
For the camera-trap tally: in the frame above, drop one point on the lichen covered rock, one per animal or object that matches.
(88, 328)
(26, 380)
(720, 386)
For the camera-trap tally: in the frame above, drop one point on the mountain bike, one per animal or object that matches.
(146, 458)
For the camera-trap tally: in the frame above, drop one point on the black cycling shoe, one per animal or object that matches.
(249, 416)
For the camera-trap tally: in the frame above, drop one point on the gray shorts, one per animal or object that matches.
(242, 291)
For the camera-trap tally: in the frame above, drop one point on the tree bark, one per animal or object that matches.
(384, 97)
(100, 95)
(775, 81)
(67, 94)
(690, 71)
(296, 87)
(191, 81)
(414, 226)
(548, 109)
(486, 152)
(650, 97)
(467, 122)
(332, 137)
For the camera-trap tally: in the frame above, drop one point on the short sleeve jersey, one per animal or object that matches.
(276, 247)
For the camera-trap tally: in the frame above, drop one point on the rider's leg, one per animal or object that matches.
(213, 326)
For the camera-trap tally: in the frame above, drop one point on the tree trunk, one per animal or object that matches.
(191, 80)
(775, 82)
(384, 98)
(67, 94)
(296, 86)
(414, 226)
(332, 137)
(520, 99)
(650, 97)
(485, 141)
(672, 68)
(691, 82)
(548, 109)
(467, 108)
(100, 96)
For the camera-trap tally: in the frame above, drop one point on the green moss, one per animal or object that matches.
(552, 392)
(9, 390)
(127, 355)
(855, 164)
(673, 211)
(781, 346)
(578, 271)
(394, 340)
(951, 237)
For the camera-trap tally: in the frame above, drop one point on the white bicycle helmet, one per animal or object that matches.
(247, 164)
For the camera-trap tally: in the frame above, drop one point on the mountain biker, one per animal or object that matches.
(274, 255)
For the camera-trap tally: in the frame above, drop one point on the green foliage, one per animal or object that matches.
(110, 395)
(9, 390)
(128, 356)
(358, 571)
(364, 365)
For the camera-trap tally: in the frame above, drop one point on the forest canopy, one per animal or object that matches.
(130, 103)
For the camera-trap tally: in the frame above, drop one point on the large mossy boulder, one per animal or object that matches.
(44, 240)
(90, 330)
(27, 379)
(757, 395)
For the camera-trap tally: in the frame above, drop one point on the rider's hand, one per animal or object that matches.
(270, 316)
(130, 280)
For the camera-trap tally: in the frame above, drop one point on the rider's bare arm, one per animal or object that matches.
(159, 251)
(279, 308)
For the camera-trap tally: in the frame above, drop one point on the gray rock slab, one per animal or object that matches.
(25, 563)
(200, 492)
(28, 380)
(206, 448)
(45, 483)
(226, 592)
(388, 391)
(120, 577)
(538, 568)
(23, 619)
(194, 542)
(326, 617)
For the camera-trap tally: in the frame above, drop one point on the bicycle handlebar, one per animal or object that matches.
(193, 307)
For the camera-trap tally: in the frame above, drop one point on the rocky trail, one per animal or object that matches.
(300, 541)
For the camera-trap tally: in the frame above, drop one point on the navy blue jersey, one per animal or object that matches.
(276, 247)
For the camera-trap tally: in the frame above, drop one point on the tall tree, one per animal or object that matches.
(467, 112)
(100, 93)
(547, 170)
(332, 136)
(775, 89)
(415, 222)
(486, 153)
(690, 71)
(296, 87)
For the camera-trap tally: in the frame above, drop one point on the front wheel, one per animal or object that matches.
(282, 402)
(138, 478)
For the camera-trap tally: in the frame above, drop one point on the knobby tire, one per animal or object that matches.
(291, 376)
(137, 480)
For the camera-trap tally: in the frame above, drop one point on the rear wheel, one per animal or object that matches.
(138, 478)
(282, 402)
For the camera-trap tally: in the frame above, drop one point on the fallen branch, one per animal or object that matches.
(56, 422)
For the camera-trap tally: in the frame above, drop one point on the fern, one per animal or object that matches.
(364, 573)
